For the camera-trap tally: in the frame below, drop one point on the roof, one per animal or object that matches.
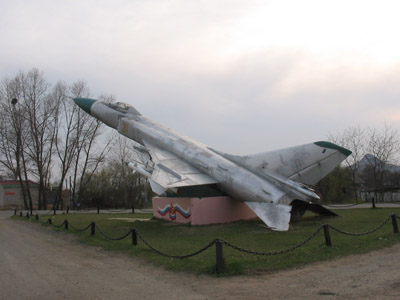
(15, 183)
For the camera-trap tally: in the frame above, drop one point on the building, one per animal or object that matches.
(389, 194)
(11, 194)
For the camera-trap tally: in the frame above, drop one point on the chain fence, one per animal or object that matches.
(73, 211)
(176, 256)
(313, 235)
(111, 238)
(59, 226)
(80, 230)
(219, 242)
(361, 233)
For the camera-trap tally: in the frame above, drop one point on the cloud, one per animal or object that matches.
(265, 101)
(242, 76)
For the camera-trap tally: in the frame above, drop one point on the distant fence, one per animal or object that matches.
(134, 234)
(88, 210)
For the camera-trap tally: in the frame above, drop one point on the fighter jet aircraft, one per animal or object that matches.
(270, 183)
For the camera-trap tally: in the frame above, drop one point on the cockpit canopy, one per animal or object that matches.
(124, 107)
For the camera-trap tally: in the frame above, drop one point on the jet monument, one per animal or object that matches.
(272, 184)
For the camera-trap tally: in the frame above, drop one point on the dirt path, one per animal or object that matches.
(37, 263)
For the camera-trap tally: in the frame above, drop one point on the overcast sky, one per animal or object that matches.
(240, 76)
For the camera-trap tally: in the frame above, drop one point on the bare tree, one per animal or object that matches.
(354, 139)
(87, 157)
(129, 186)
(14, 134)
(383, 146)
(41, 114)
(40, 125)
(116, 185)
(66, 134)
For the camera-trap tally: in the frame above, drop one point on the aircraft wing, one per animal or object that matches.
(172, 172)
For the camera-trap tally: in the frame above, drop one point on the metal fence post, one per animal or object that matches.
(92, 228)
(66, 224)
(27, 215)
(220, 256)
(37, 217)
(20, 213)
(394, 222)
(15, 212)
(134, 237)
(327, 236)
(50, 221)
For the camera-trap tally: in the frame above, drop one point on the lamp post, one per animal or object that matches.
(17, 126)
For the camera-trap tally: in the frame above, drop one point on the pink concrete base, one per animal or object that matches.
(201, 211)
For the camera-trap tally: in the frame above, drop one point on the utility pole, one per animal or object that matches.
(17, 127)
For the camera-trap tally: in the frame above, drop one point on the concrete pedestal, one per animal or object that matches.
(201, 211)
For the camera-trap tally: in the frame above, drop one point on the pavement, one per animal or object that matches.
(38, 263)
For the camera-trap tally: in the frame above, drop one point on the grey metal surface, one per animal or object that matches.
(276, 177)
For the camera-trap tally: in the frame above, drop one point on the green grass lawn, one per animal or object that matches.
(179, 239)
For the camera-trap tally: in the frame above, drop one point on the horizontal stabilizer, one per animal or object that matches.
(307, 164)
(319, 209)
(276, 216)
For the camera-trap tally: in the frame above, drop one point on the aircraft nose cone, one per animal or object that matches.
(85, 103)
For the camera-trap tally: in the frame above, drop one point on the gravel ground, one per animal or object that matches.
(38, 263)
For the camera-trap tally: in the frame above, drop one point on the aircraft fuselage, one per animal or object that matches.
(233, 180)
(267, 182)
